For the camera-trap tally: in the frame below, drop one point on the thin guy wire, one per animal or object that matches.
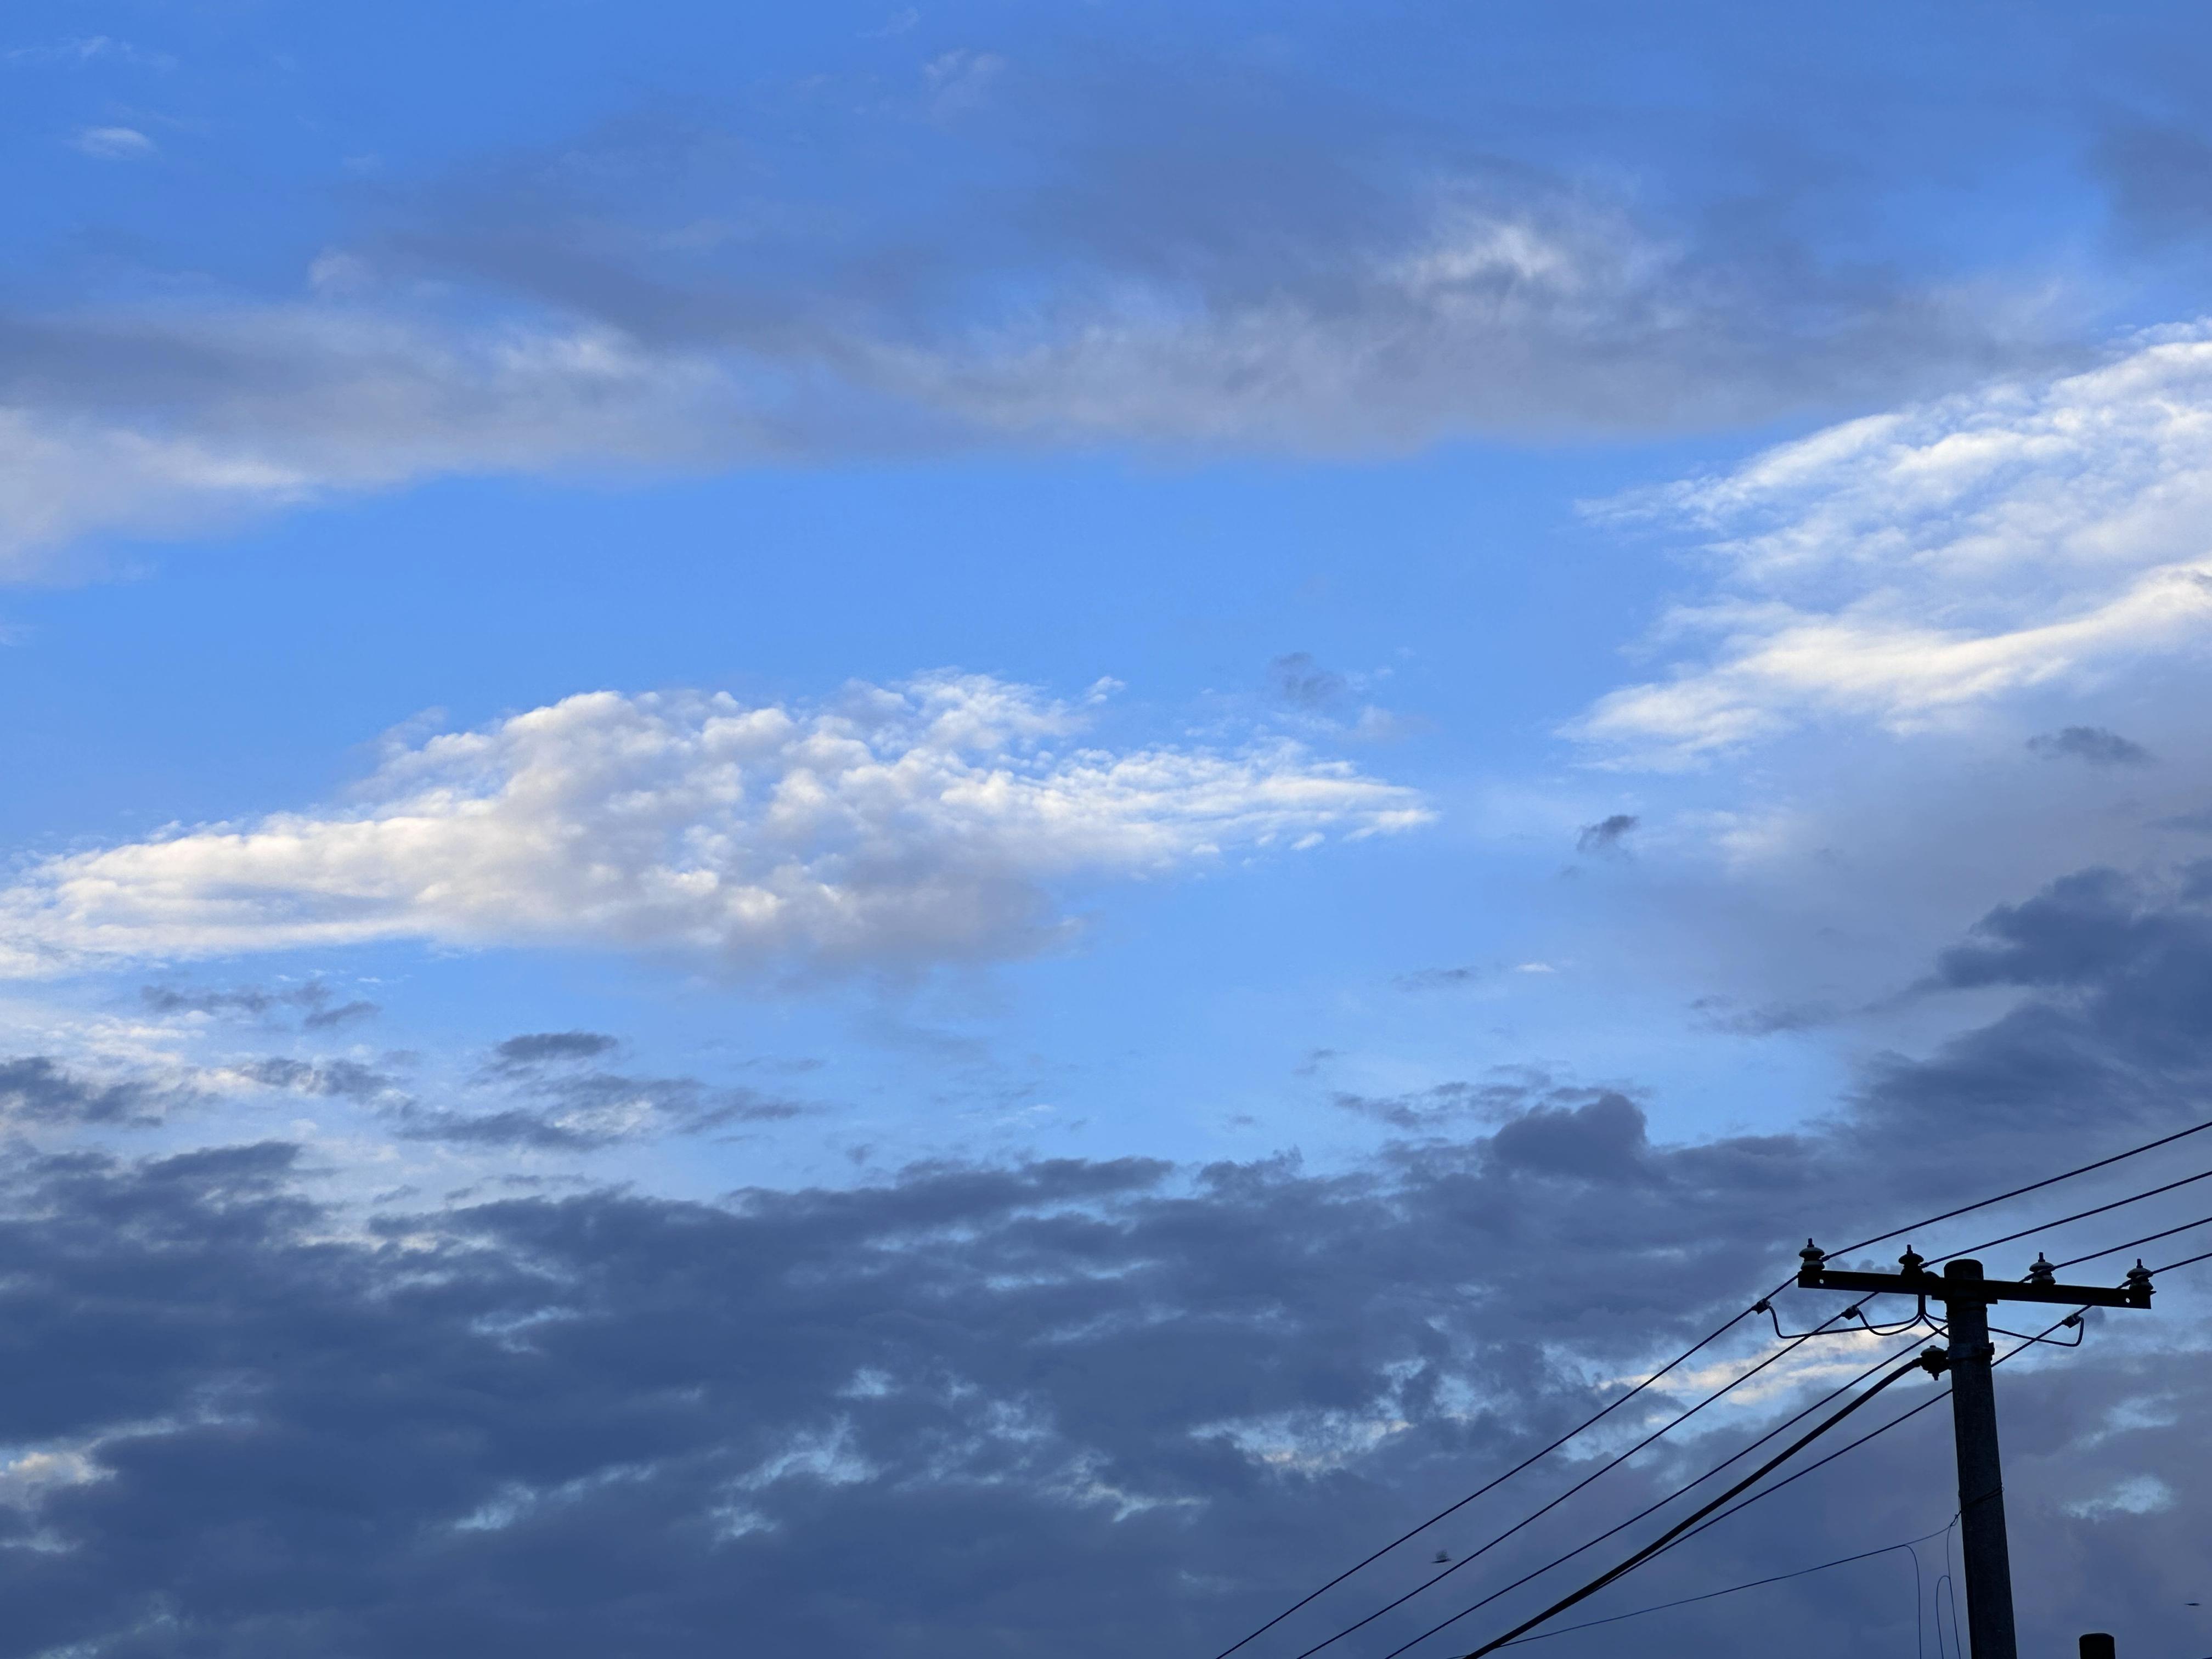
(1587, 1422)
(1664, 1428)
(2033, 1186)
(2132, 1243)
(1648, 1510)
(1840, 1561)
(1659, 1545)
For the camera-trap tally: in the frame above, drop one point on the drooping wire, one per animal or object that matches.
(1587, 1423)
(1667, 1538)
(2032, 1187)
(1919, 1605)
(1528, 1519)
(2134, 1243)
(1958, 1646)
(1840, 1561)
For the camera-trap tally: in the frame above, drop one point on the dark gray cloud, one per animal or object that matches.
(37, 1089)
(347, 1080)
(1606, 835)
(1301, 680)
(318, 1010)
(535, 1048)
(1089, 1407)
(2092, 743)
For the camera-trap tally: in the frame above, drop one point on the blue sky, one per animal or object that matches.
(623, 609)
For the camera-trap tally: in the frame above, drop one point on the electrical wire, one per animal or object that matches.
(2081, 1215)
(1660, 1544)
(2133, 1243)
(1715, 1335)
(1899, 1421)
(2186, 1262)
(1669, 1541)
(1640, 1514)
(2032, 1187)
(1710, 1337)
(1840, 1561)
(1603, 1468)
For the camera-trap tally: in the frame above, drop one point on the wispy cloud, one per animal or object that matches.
(1909, 569)
(114, 143)
(898, 828)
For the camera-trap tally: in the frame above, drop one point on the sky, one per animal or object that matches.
(965, 830)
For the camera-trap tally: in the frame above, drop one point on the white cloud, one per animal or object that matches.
(1911, 569)
(901, 827)
(114, 143)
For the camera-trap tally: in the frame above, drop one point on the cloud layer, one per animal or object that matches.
(634, 300)
(900, 828)
(1096, 1407)
(1911, 569)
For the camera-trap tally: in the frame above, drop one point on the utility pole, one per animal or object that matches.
(1966, 1297)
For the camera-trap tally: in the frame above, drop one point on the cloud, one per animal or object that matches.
(1606, 835)
(256, 1001)
(535, 1048)
(1910, 569)
(2092, 743)
(641, 299)
(35, 1090)
(1300, 679)
(114, 143)
(1097, 1406)
(897, 829)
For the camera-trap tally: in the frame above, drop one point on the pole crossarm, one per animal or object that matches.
(1914, 1280)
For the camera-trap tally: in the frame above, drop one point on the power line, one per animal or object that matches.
(1694, 1348)
(1710, 1337)
(2132, 1243)
(1648, 1510)
(1705, 1518)
(1529, 1519)
(2079, 1215)
(1894, 1422)
(2186, 1262)
(2033, 1186)
(1840, 1561)
(1686, 1524)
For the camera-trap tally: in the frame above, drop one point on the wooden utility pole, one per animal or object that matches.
(1966, 1297)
